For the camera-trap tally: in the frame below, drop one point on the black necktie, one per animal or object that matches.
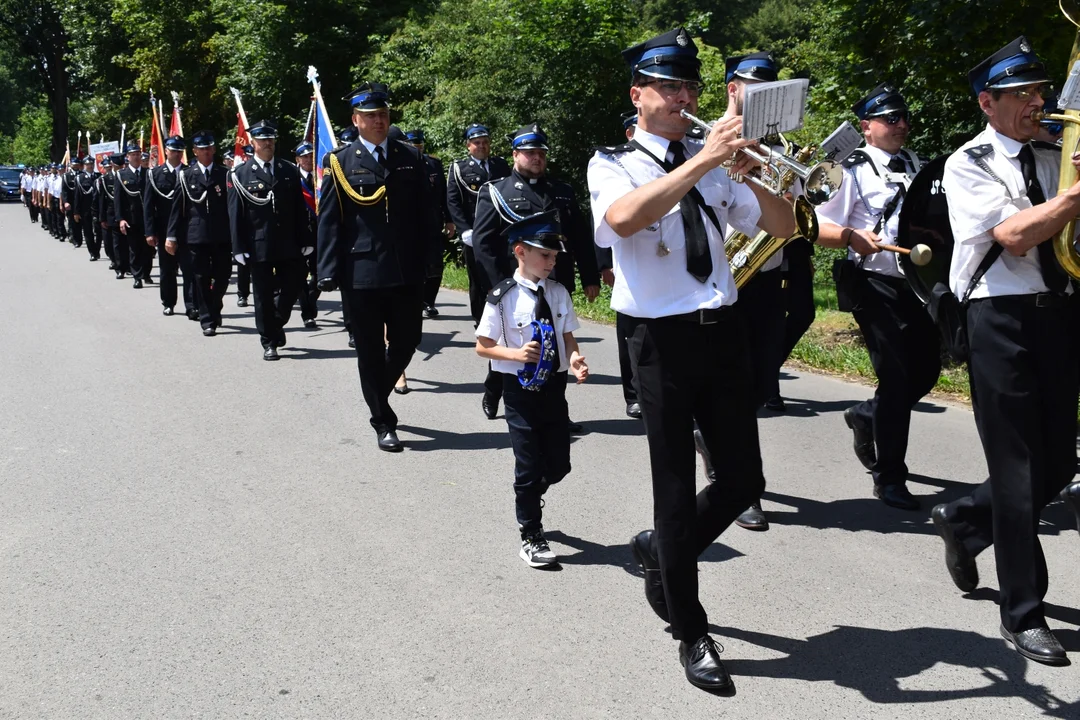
(698, 258)
(1051, 273)
(897, 165)
(379, 155)
(544, 315)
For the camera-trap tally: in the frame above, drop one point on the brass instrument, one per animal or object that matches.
(1064, 249)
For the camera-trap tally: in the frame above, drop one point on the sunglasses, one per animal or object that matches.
(1025, 94)
(894, 117)
(672, 87)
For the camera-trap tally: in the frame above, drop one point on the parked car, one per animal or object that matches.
(9, 182)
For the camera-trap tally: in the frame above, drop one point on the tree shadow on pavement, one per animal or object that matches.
(626, 427)
(880, 664)
(446, 440)
(590, 553)
(432, 344)
(438, 388)
(1069, 638)
(800, 408)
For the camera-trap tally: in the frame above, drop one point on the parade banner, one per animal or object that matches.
(325, 139)
(157, 147)
(102, 150)
(176, 127)
(243, 137)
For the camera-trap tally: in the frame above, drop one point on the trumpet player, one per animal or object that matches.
(900, 336)
(661, 203)
(1006, 209)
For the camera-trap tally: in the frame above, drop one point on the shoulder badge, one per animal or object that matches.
(980, 151)
(614, 149)
(499, 291)
(858, 157)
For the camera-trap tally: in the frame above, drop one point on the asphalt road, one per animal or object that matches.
(188, 531)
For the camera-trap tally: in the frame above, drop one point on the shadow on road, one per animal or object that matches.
(801, 407)
(446, 440)
(590, 553)
(879, 664)
(1069, 638)
(626, 427)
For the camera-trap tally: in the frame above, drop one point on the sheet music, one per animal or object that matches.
(843, 141)
(774, 107)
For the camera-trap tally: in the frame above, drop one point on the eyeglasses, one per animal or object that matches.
(1025, 94)
(895, 117)
(673, 87)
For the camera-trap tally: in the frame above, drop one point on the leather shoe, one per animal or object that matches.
(699, 443)
(633, 410)
(210, 331)
(137, 284)
(490, 406)
(701, 658)
(958, 561)
(865, 449)
(641, 549)
(388, 441)
(148, 280)
(270, 353)
(352, 341)
(1038, 644)
(402, 389)
(167, 311)
(241, 301)
(753, 518)
(1071, 496)
(192, 314)
(574, 428)
(896, 495)
(119, 275)
(776, 404)
(311, 325)
(430, 312)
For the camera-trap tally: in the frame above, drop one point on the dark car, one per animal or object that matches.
(9, 183)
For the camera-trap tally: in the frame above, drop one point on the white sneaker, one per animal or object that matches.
(535, 551)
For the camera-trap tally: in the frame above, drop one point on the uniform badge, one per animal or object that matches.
(682, 39)
(472, 162)
(217, 189)
(472, 187)
(1024, 47)
(519, 186)
(496, 292)
(261, 186)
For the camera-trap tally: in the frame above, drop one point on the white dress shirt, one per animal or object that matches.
(847, 209)
(978, 204)
(56, 182)
(648, 283)
(371, 148)
(510, 322)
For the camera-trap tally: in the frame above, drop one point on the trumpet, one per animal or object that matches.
(820, 181)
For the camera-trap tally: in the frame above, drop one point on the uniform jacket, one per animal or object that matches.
(67, 191)
(83, 197)
(276, 230)
(200, 211)
(158, 196)
(128, 198)
(383, 244)
(437, 180)
(463, 184)
(523, 199)
(106, 205)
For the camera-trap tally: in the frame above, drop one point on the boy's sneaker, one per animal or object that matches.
(535, 551)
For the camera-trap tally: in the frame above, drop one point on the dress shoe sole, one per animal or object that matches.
(391, 448)
(1045, 660)
(402, 390)
(724, 688)
(756, 527)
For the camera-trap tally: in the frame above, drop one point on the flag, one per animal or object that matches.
(309, 126)
(157, 145)
(175, 126)
(241, 133)
(67, 153)
(325, 139)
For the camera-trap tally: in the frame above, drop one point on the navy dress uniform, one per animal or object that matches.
(503, 202)
(376, 218)
(537, 414)
(463, 183)
(199, 225)
(687, 345)
(107, 215)
(82, 206)
(68, 200)
(437, 251)
(162, 185)
(130, 184)
(309, 289)
(1023, 349)
(900, 335)
(270, 235)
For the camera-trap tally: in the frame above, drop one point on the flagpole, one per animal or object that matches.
(243, 115)
(123, 129)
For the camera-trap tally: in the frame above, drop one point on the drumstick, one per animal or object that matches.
(920, 254)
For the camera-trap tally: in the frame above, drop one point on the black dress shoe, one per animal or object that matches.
(430, 312)
(896, 495)
(270, 353)
(402, 389)
(864, 439)
(388, 441)
(641, 549)
(241, 301)
(148, 280)
(961, 566)
(701, 659)
(753, 518)
(119, 275)
(574, 428)
(166, 311)
(1071, 496)
(699, 443)
(192, 314)
(209, 332)
(137, 284)
(490, 406)
(352, 341)
(311, 325)
(112, 265)
(1038, 644)
(633, 410)
(776, 404)
(94, 258)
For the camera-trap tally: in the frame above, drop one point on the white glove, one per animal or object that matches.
(241, 258)
(466, 237)
(307, 251)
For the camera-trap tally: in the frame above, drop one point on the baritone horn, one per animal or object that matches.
(820, 181)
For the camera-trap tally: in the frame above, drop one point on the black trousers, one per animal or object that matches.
(169, 265)
(798, 298)
(28, 198)
(626, 370)
(905, 351)
(243, 280)
(212, 267)
(120, 254)
(80, 230)
(57, 215)
(431, 289)
(477, 287)
(1023, 372)
(276, 286)
(387, 325)
(139, 253)
(540, 436)
(104, 239)
(309, 291)
(761, 303)
(686, 372)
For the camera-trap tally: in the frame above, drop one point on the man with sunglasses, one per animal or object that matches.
(662, 202)
(900, 336)
(1005, 210)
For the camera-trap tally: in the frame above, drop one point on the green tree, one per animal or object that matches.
(30, 145)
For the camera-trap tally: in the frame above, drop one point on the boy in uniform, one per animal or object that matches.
(534, 373)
